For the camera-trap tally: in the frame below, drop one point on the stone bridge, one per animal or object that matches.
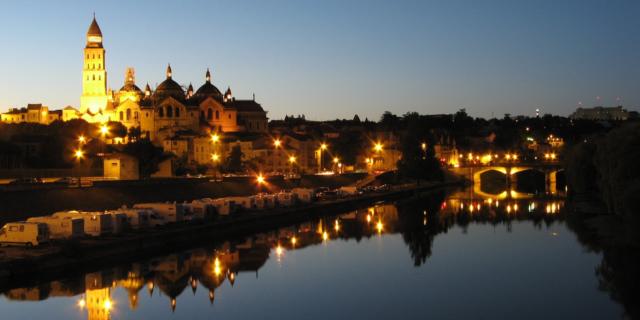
(473, 172)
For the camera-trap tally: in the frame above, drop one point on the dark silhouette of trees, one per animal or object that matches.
(417, 162)
(149, 156)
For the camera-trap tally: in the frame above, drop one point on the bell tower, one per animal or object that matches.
(94, 75)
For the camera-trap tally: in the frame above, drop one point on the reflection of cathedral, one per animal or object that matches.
(168, 109)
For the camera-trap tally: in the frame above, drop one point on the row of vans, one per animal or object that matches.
(73, 224)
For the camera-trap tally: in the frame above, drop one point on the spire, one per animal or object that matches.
(190, 91)
(94, 28)
(169, 71)
(147, 90)
(207, 76)
(227, 95)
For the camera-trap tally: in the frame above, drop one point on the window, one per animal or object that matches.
(121, 116)
(169, 112)
(135, 115)
(209, 114)
(94, 77)
(217, 115)
(160, 112)
(202, 114)
(177, 112)
(128, 114)
(146, 114)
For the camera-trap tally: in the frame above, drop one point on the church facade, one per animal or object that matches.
(169, 109)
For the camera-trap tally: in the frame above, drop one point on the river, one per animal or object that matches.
(452, 255)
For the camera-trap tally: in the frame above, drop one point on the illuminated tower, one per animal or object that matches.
(94, 76)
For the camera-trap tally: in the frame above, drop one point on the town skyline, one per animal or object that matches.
(302, 80)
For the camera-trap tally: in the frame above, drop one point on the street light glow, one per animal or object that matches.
(323, 146)
(79, 154)
(104, 130)
(215, 157)
(292, 159)
(82, 139)
(378, 147)
(215, 138)
(260, 179)
(277, 143)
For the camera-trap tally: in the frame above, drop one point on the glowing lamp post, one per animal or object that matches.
(292, 161)
(79, 155)
(322, 148)
(276, 144)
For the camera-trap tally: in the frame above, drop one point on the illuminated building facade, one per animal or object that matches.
(94, 99)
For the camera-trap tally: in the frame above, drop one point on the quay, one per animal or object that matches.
(60, 258)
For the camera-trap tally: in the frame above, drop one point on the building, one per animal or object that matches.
(121, 167)
(600, 113)
(94, 99)
(33, 113)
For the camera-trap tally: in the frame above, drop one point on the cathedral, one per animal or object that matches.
(166, 110)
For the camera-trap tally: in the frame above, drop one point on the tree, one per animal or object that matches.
(233, 163)
(149, 156)
(417, 162)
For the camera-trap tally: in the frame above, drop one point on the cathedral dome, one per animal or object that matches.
(208, 89)
(168, 87)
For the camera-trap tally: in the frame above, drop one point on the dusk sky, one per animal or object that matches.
(333, 59)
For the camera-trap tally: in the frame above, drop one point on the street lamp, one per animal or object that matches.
(378, 147)
(323, 147)
(79, 155)
(82, 139)
(215, 138)
(292, 161)
(335, 163)
(276, 144)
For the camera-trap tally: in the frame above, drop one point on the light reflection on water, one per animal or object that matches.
(430, 257)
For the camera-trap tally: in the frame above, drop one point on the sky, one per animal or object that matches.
(336, 58)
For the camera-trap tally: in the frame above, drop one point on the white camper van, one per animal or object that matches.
(24, 233)
(202, 210)
(285, 199)
(242, 202)
(171, 212)
(95, 223)
(222, 206)
(304, 195)
(61, 228)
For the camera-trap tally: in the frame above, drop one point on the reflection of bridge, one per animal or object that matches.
(474, 172)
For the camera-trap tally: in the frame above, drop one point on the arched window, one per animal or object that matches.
(202, 114)
(160, 112)
(177, 112)
(209, 114)
(94, 77)
(217, 115)
(121, 116)
(99, 66)
(169, 112)
(146, 114)
(99, 77)
(135, 115)
(128, 114)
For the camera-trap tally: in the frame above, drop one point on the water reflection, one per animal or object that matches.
(170, 277)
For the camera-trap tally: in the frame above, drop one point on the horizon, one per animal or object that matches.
(390, 58)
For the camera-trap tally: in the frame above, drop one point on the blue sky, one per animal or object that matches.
(333, 59)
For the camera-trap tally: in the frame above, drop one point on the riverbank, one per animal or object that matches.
(609, 229)
(104, 195)
(58, 259)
